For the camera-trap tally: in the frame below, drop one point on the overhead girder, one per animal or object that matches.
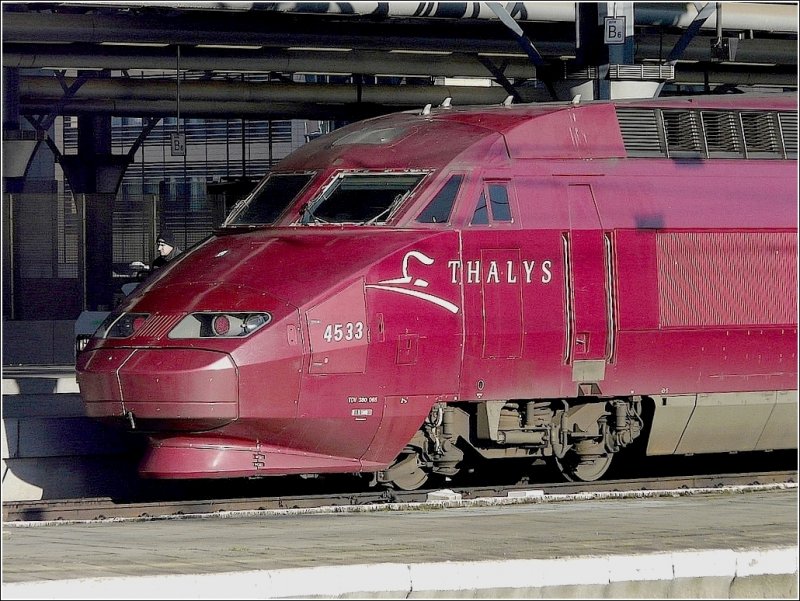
(154, 97)
(367, 62)
(217, 99)
(266, 30)
(287, 41)
(222, 110)
(649, 48)
(274, 91)
(523, 11)
(767, 18)
(745, 16)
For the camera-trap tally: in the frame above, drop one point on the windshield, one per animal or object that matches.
(269, 200)
(361, 198)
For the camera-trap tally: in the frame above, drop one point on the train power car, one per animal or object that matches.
(418, 292)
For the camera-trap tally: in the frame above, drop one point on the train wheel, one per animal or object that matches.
(406, 473)
(585, 464)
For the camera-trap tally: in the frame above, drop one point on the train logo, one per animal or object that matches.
(391, 285)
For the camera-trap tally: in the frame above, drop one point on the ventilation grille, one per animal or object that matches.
(722, 134)
(708, 134)
(788, 123)
(684, 134)
(641, 72)
(708, 279)
(641, 132)
(761, 133)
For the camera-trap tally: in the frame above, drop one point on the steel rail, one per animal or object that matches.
(97, 509)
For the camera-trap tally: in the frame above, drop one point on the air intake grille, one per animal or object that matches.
(722, 133)
(761, 133)
(684, 135)
(708, 134)
(640, 132)
(788, 123)
(707, 278)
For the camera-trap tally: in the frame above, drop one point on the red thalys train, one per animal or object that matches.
(415, 292)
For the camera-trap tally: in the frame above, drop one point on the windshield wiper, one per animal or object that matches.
(305, 214)
(388, 210)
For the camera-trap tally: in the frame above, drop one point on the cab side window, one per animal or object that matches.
(498, 209)
(501, 210)
(481, 214)
(439, 209)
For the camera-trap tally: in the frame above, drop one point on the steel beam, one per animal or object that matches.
(148, 98)
(279, 61)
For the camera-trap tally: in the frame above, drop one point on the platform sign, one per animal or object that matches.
(614, 30)
(178, 143)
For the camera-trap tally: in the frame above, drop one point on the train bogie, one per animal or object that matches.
(420, 291)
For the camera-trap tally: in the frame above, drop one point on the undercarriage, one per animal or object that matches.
(579, 437)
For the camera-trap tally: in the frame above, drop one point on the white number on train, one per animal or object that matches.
(336, 332)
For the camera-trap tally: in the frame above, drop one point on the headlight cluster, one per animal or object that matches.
(195, 325)
(121, 325)
(219, 325)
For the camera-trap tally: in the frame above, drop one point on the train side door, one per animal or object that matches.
(492, 277)
(337, 393)
(587, 299)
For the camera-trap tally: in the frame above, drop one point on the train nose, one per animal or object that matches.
(163, 389)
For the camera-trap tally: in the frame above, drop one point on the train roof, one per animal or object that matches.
(573, 130)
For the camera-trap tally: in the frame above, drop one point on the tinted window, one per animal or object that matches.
(498, 208)
(481, 214)
(501, 211)
(439, 209)
(269, 200)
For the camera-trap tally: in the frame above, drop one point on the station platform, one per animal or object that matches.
(715, 544)
(50, 449)
(38, 379)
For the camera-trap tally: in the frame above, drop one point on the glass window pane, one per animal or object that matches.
(439, 209)
(501, 210)
(481, 214)
(269, 200)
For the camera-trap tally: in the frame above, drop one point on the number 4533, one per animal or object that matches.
(337, 332)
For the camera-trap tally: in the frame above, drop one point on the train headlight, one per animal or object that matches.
(121, 325)
(255, 321)
(220, 325)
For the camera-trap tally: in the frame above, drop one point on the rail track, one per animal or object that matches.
(107, 508)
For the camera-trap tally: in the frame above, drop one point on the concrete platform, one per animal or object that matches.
(720, 545)
(50, 449)
(39, 379)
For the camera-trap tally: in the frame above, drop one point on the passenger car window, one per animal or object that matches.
(266, 203)
(498, 208)
(439, 209)
(361, 198)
